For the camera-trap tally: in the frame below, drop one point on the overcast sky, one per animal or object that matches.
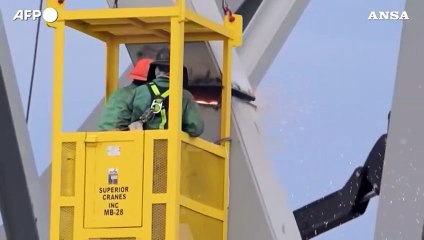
(333, 79)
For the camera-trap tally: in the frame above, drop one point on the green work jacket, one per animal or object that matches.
(118, 109)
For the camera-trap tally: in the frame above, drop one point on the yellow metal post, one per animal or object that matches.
(181, 5)
(174, 129)
(225, 123)
(112, 67)
(174, 126)
(57, 116)
(226, 93)
(57, 126)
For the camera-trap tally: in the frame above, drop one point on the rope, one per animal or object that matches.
(227, 11)
(34, 60)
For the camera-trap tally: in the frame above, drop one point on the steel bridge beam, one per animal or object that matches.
(401, 205)
(265, 35)
(17, 166)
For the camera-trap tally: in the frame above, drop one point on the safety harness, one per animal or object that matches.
(159, 105)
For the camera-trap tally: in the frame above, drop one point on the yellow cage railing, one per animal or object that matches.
(156, 184)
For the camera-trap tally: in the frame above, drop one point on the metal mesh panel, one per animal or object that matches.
(202, 176)
(160, 166)
(68, 169)
(194, 225)
(158, 221)
(66, 224)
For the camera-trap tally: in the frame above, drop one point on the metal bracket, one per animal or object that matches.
(347, 203)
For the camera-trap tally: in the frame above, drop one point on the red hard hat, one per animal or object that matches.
(141, 69)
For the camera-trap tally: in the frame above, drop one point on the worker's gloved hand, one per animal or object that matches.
(137, 125)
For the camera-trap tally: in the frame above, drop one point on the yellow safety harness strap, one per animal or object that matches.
(157, 93)
(163, 119)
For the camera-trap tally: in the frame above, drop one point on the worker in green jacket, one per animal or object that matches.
(117, 112)
(151, 102)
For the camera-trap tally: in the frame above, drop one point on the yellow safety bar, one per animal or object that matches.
(161, 184)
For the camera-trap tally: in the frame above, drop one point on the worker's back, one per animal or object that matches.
(192, 122)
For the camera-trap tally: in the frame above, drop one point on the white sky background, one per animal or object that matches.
(327, 93)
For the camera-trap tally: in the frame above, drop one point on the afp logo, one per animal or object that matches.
(388, 15)
(49, 15)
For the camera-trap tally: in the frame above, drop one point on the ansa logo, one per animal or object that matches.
(388, 15)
